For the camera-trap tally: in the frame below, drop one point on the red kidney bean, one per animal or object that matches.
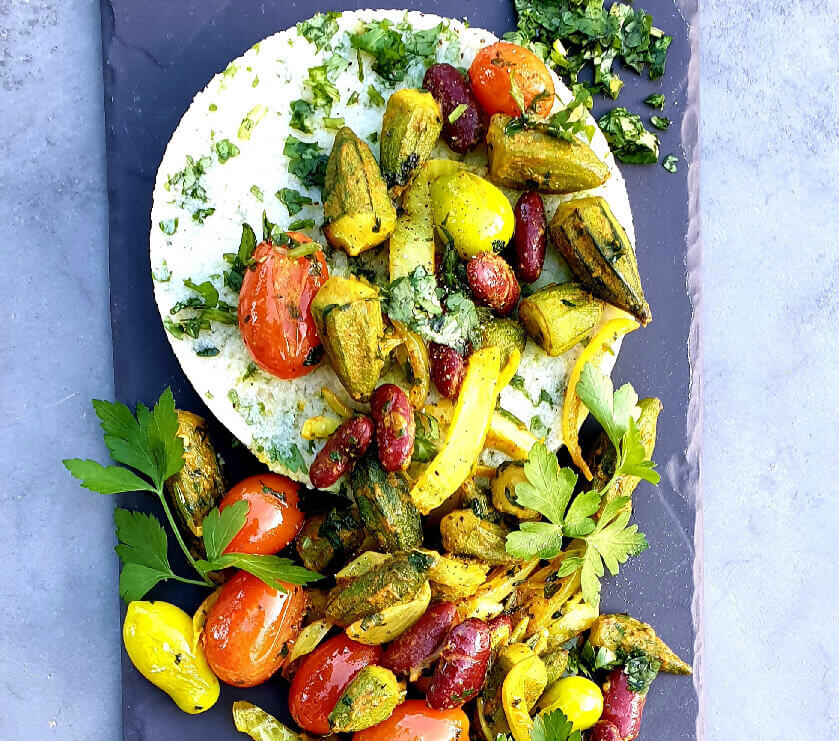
(621, 706)
(493, 282)
(448, 369)
(500, 629)
(451, 88)
(462, 667)
(394, 417)
(343, 448)
(605, 730)
(417, 647)
(530, 239)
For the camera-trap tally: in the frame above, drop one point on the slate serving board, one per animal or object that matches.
(159, 53)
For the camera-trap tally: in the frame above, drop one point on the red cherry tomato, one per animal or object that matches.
(275, 318)
(490, 75)
(251, 629)
(415, 721)
(322, 677)
(273, 516)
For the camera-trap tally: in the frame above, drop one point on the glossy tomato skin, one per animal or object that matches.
(274, 518)
(490, 78)
(322, 677)
(251, 629)
(415, 721)
(275, 317)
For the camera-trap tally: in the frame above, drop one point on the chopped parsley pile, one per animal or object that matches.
(577, 35)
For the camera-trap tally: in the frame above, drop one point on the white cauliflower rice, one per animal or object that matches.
(246, 108)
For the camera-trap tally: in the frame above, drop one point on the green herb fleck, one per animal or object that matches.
(459, 110)
(319, 29)
(293, 200)
(660, 122)
(629, 140)
(306, 161)
(670, 163)
(257, 192)
(656, 100)
(169, 226)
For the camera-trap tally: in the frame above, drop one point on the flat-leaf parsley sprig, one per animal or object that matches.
(148, 443)
(608, 540)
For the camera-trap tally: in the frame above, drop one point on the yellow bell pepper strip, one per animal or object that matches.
(158, 640)
(510, 368)
(259, 725)
(416, 353)
(335, 404)
(466, 434)
(512, 440)
(318, 427)
(574, 411)
(522, 687)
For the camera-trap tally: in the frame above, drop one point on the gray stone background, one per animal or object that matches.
(770, 117)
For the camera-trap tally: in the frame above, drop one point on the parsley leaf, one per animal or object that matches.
(220, 527)
(293, 200)
(142, 549)
(306, 160)
(631, 142)
(612, 410)
(612, 543)
(319, 29)
(105, 479)
(426, 437)
(273, 570)
(548, 488)
(553, 726)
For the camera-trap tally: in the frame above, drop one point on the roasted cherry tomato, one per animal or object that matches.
(275, 318)
(251, 629)
(492, 71)
(274, 518)
(322, 677)
(415, 721)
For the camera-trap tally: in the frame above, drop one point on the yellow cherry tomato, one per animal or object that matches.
(472, 212)
(158, 638)
(579, 698)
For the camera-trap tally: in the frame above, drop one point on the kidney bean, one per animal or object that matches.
(500, 629)
(530, 239)
(493, 282)
(343, 448)
(605, 730)
(621, 706)
(394, 417)
(462, 668)
(417, 647)
(451, 88)
(448, 369)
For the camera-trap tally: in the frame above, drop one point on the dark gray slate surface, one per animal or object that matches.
(157, 56)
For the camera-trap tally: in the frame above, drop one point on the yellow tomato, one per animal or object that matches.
(158, 640)
(579, 698)
(472, 212)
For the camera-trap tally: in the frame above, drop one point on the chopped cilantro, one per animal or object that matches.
(319, 29)
(188, 181)
(426, 438)
(255, 81)
(169, 226)
(301, 116)
(162, 274)
(295, 226)
(459, 110)
(207, 352)
(250, 370)
(324, 93)
(656, 100)
(293, 200)
(545, 397)
(660, 122)
(353, 99)
(240, 260)
(628, 138)
(213, 107)
(254, 116)
(333, 123)
(203, 309)
(538, 427)
(517, 382)
(374, 96)
(257, 192)
(373, 137)
(414, 301)
(395, 48)
(306, 161)
(670, 163)
(590, 34)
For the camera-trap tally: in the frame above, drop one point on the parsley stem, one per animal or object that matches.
(192, 581)
(178, 535)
